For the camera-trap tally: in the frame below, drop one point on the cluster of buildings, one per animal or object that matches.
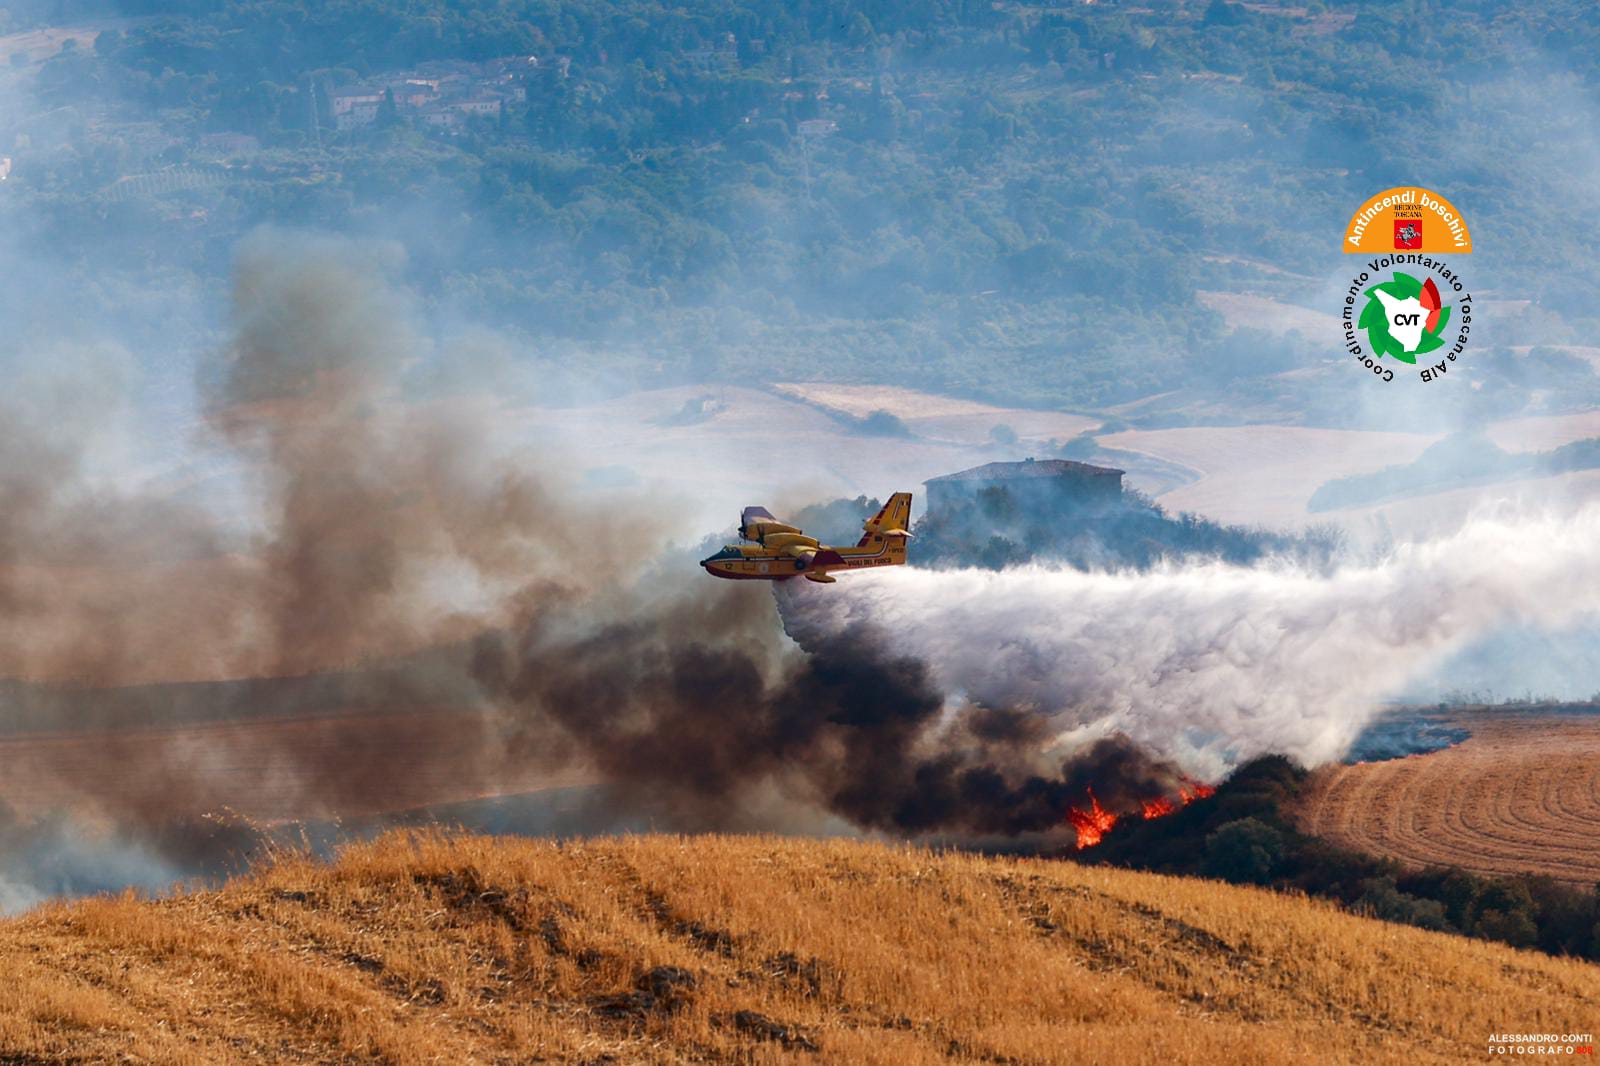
(721, 54)
(445, 94)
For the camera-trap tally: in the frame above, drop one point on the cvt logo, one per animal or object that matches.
(1404, 318)
(1392, 319)
(1395, 313)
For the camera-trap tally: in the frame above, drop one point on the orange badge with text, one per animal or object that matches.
(1407, 218)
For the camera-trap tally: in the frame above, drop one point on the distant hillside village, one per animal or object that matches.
(443, 94)
(447, 94)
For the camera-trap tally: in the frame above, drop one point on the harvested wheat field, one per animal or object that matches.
(431, 948)
(1521, 795)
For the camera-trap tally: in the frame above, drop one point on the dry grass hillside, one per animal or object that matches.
(713, 949)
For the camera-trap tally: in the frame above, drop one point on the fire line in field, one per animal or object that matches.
(1092, 823)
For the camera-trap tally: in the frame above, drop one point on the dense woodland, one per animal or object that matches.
(993, 530)
(1001, 200)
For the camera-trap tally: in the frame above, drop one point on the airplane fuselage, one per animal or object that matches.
(755, 563)
(773, 551)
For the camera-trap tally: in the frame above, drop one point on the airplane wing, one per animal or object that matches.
(752, 515)
(756, 522)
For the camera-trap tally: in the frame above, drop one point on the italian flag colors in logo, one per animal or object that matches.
(1404, 318)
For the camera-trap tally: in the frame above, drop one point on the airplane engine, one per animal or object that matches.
(802, 554)
(760, 531)
(789, 541)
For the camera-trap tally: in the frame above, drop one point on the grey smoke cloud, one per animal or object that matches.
(1209, 665)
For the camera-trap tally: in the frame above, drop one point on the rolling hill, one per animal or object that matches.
(437, 948)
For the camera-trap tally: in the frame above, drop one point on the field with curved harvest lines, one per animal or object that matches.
(1521, 795)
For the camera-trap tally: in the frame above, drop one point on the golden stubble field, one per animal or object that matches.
(1521, 795)
(428, 948)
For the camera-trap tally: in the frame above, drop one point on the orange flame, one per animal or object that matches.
(1160, 807)
(1091, 824)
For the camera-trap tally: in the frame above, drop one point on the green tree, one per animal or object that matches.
(1516, 928)
(1382, 899)
(1244, 851)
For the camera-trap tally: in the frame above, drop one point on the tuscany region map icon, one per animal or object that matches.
(1404, 318)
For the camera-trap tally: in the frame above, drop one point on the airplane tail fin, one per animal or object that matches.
(893, 520)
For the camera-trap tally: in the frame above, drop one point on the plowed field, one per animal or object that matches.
(1522, 795)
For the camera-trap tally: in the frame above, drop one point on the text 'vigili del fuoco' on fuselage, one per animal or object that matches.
(776, 552)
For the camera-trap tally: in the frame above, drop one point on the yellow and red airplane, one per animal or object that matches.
(777, 552)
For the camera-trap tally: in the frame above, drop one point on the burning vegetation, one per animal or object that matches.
(1091, 824)
(1094, 822)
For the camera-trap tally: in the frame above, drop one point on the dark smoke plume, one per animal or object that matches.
(687, 717)
(388, 559)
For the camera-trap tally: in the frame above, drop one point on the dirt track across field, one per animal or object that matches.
(1522, 795)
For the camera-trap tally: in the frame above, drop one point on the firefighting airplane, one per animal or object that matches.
(779, 552)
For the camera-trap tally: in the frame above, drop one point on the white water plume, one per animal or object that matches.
(1212, 664)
